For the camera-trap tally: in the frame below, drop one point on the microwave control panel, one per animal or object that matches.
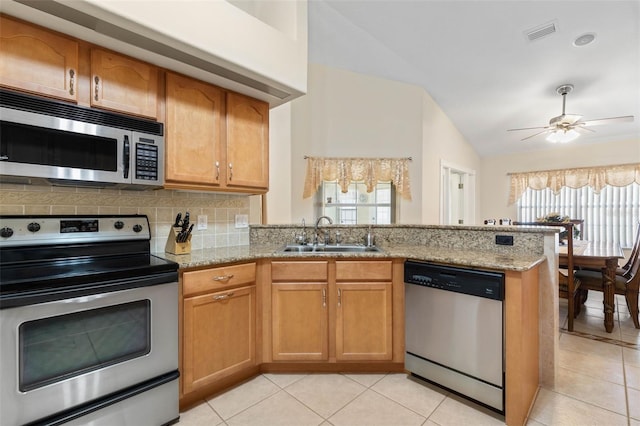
(146, 161)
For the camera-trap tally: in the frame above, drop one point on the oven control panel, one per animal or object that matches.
(42, 230)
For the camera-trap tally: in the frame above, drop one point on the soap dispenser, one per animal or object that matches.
(370, 239)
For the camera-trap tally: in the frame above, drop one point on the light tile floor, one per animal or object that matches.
(598, 383)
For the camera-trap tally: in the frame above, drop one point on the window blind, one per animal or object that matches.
(611, 215)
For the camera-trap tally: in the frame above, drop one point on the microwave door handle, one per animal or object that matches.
(126, 154)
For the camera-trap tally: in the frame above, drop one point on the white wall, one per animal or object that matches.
(278, 199)
(441, 142)
(346, 114)
(494, 185)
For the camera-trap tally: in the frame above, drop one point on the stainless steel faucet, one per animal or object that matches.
(326, 234)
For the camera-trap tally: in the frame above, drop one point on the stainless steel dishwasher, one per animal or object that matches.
(454, 329)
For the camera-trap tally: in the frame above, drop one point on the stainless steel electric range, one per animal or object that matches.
(88, 323)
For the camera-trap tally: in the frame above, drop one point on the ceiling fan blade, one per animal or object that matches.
(571, 118)
(582, 129)
(528, 128)
(610, 120)
(535, 134)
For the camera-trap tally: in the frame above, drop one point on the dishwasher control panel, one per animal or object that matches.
(474, 282)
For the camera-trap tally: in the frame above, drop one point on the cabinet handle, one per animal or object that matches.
(324, 298)
(96, 79)
(223, 296)
(72, 79)
(223, 277)
(230, 171)
(217, 170)
(339, 297)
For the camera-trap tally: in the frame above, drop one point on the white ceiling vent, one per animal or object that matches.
(541, 31)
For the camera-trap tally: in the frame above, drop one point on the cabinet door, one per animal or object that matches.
(193, 131)
(219, 336)
(247, 142)
(299, 321)
(38, 61)
(123, 84)
(363, 321)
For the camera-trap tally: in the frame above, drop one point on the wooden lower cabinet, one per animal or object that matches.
(300, 321)
(364, 322)
(218, 325)
(316, 318)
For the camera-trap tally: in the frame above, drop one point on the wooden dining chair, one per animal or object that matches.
(568, 283)
(626, 285)
(625, 270)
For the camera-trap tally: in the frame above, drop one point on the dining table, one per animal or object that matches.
(598, 255)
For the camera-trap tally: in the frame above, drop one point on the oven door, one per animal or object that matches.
(60, 354)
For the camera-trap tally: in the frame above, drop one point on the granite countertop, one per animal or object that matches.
(471, 258)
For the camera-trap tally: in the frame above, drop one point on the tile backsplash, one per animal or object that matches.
(161, 206)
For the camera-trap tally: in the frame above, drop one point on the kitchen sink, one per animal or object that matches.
(338, 248)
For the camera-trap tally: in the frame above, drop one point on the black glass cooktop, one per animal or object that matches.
(54, 273)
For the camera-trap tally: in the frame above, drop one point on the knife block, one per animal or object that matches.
(174, 247)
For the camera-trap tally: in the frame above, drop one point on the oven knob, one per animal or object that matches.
(119, 224)
(33, 227)
(137, 228)
(6, 232)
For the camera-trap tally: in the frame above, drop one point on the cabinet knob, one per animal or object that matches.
(230, 171)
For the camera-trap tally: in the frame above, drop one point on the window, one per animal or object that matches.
(611, 216)
(357, 206)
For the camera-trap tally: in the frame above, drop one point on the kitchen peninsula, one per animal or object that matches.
(268, 287)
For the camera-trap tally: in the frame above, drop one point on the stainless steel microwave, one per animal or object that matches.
(47, 141)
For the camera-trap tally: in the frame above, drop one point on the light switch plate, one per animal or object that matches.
(202, 222)
(242, 221)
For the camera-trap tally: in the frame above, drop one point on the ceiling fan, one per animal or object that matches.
(567, 127)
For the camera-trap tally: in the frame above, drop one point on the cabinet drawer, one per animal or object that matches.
(299, 271)
(357, 270)
(218, 278)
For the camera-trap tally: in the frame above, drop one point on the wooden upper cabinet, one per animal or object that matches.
(247, 142)
(38, 61)
(193, 133)
(119, 83)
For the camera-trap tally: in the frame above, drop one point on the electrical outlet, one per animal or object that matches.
(242, 221)
(202, 222)
(504, 240)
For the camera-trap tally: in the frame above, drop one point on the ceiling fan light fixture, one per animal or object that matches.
(562, 135)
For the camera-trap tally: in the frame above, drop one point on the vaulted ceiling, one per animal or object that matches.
(478, 63)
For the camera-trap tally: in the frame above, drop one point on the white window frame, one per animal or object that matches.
(324, 205)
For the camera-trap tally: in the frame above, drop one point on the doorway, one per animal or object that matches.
(457, 195)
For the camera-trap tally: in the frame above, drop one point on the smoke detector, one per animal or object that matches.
(584, 39)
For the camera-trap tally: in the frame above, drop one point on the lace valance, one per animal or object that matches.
(367, 170)
(595, 177)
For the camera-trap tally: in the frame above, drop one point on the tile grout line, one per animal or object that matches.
(626, 390)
